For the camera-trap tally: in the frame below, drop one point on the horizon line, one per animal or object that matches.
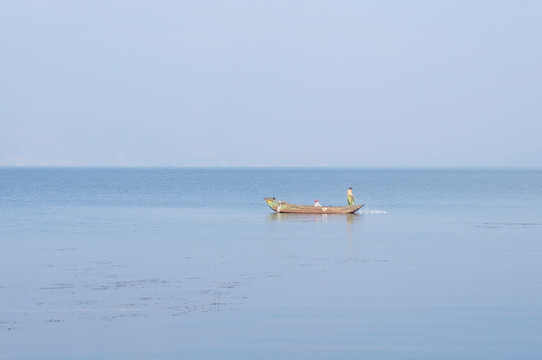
(441, 167)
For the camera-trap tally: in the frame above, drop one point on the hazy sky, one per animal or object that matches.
(274, 83)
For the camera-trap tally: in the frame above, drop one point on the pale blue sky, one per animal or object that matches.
(273, 83)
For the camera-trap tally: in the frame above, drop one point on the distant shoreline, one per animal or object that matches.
(263, 167)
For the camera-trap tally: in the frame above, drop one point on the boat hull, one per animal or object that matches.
(284, 207)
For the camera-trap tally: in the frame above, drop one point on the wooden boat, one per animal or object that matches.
(284, 207)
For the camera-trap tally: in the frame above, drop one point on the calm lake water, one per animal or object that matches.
(192, 264)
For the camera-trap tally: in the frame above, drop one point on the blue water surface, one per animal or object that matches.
(139, 263)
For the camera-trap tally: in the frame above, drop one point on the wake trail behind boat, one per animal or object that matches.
(366, 211)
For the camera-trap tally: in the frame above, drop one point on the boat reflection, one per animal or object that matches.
(335, 220)
(348, 218)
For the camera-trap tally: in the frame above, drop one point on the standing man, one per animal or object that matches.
(350, 197)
